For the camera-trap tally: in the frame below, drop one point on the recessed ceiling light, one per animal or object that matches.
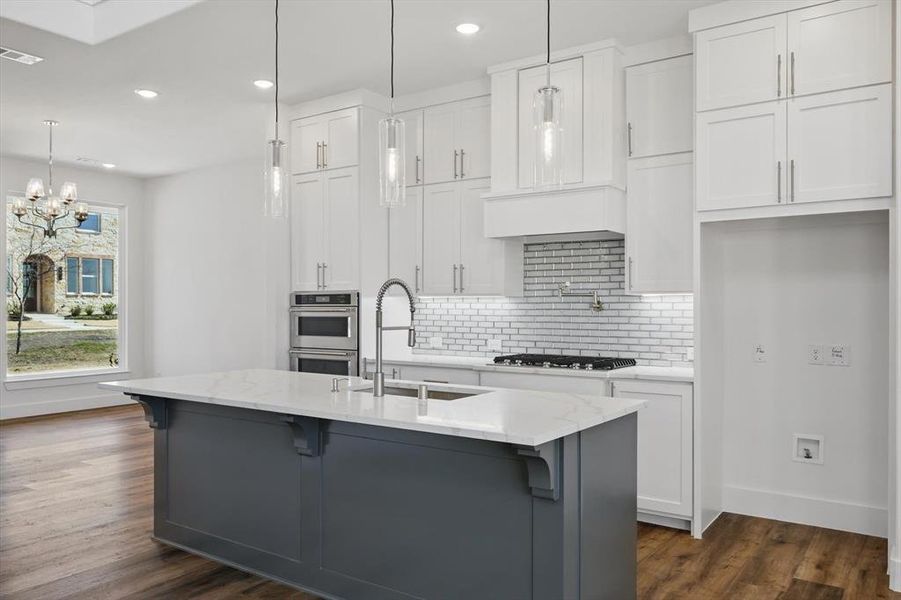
(263, 84)
(146, 93)
(109, 166)
(467, 28)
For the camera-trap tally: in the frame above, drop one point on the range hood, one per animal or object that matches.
(551, 212)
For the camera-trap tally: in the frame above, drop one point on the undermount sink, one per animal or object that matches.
(413, 392)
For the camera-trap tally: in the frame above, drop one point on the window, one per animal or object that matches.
(71, 275)
(91, 224)
(89, 276)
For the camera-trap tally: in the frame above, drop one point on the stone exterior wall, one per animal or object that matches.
(51, 255)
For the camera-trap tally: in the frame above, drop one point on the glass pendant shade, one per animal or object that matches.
(19, 208)
(547, 109)
(34, 189)
(276, 181)
(54, 207)
(68, 192)
(81, 211)
(392, 163)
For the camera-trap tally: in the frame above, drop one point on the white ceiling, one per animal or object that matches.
(203, 59)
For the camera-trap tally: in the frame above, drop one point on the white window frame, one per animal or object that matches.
(59, 378)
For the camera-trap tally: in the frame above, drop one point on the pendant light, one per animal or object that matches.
(392, 158)
(547, 115)
(275, 180)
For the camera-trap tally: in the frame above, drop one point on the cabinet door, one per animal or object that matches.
(839, 45)
(840, 145)
(342, 259)
(664, 444)
(306, 135)
(307, 231)
(405, 240)
(567, 76)
(440, 162)
(741, 63)
(440, 239)
(481, 259)
(659, 107)
(659, 224)
(340, 139)
(473, 132)
(741, 157)
(413, 145)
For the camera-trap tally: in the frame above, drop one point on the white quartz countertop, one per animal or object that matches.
(516, 416)
(481, 363)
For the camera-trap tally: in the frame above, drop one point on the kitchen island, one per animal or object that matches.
(473, 493)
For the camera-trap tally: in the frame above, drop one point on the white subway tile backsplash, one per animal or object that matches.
(655, 330)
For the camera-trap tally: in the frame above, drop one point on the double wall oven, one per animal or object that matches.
(325, 332)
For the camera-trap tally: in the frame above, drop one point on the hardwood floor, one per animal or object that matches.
(75, 522)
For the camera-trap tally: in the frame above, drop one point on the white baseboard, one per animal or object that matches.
(845, 516)
(49, 407)
(894, 574)
(665, 521)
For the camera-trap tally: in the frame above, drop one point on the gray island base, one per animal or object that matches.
(358, 511)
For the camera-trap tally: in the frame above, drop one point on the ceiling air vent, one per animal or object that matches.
(19, 57)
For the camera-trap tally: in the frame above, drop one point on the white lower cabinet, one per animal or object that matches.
(664, 445)
(548, 383)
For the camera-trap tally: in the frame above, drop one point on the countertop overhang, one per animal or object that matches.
(524, 417)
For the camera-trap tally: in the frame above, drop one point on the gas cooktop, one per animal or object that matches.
(590, 363)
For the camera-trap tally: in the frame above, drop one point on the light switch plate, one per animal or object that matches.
(816, 354)
(759, 353)
(839, 355)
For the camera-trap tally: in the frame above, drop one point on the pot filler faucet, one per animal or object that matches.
(378, 379)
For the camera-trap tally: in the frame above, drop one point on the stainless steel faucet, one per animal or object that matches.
(378, 378)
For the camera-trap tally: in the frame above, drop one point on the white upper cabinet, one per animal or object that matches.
(659, 107)
(839, 45)
(566, 75)
(405, 240)
(840, 145)
(325, 141)
(659, 224)
(413, 145)
(441, 239)
(740, 156)
(482, 260)
(827, 47)
(741, 63)
(456, 141)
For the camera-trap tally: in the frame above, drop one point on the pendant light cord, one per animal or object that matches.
(276, 69)
(392, 56)
(548, 31)
(50, 164)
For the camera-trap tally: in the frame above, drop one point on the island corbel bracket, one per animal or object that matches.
(154, 410)
(543, 464)
(307, 434)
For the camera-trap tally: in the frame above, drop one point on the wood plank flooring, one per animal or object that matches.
(76, 510)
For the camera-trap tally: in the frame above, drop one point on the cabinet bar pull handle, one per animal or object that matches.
(612, 387)
(629, 136)
(318, 155)
(455, 278)
(416, 280)
(461, 177)
(418, 160)
(318, 276)
(324, 155)
(779, 181)
(324, 285)
(778, 75)
(461, 278)
(792, 175)
(455, 168)
(631, 284)
(793, 73)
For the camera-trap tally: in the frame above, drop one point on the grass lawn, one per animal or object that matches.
(27, 325)
(112, 323)
(60, 350)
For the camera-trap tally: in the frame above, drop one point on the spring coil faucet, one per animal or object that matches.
(378, 378)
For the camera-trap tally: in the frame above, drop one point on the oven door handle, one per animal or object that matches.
(320, 353)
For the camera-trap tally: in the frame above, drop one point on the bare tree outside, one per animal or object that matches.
(23, 281)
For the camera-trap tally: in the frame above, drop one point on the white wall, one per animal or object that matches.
(22, 399)
(788, 283)
(217, 271)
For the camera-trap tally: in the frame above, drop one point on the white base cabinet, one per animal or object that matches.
(664, 445)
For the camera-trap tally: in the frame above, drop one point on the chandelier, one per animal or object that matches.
(50, 213)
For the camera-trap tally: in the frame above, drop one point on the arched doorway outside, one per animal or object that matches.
(40, 271)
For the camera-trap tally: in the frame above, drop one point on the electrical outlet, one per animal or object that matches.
(816, 354)
(759, 353)
(436, 342)
(839, 356)
(494, 345)
(807, 448)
